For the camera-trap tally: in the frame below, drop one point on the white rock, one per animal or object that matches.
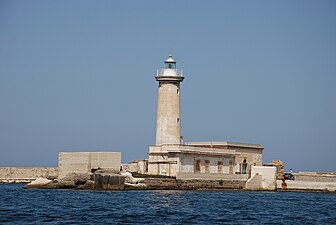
(130, 178)
(39, 181)
(136, 185)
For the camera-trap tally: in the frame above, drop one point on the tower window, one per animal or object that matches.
(177, 91)
(178, 120)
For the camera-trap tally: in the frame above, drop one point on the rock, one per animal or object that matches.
(89, 185)
(66, 184)
(73, 180)
(38, 183)
(109, 182)
(76, 176)
(136, 185)
(130, 179)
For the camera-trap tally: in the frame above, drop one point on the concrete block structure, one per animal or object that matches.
(137, 166)
(262, 178)
(85, 162)
(170, 155)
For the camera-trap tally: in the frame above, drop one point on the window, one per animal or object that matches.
(207, 166)
(244, 167)
(230, 167)
(178, 120)
(220, 167)
(198, 166)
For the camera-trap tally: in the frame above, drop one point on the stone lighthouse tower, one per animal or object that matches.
(168, 129)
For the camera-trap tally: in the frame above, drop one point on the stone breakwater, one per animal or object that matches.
(125, 181)
(25, 175)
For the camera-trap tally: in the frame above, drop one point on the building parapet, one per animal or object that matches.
(223, 144)
(187, 149)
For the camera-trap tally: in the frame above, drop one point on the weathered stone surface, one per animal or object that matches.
(173, 184)
(66, 184)
(160, 183)
(109, 182)
(89, 185)
(210, 184)
(76, 177)
(84, 162)
(25, 175)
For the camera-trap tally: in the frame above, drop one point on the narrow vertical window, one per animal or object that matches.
(178, 120)
(230, 167)
(178, 91)
(198, 166)
(207, 166)
(244, 167)
(220, 167)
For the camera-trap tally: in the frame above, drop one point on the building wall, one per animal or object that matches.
(83, 162)
(211, 176)
(170, 159)
(188, 163)
(138, 166)
(253, 158)
(268, 175)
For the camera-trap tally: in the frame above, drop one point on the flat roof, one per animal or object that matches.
(224, 143)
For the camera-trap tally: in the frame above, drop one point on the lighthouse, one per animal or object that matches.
(170, 157)
(168, 123)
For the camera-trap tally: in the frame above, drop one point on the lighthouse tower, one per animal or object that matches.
(168, 128)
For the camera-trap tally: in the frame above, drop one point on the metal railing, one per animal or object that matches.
(164, 72)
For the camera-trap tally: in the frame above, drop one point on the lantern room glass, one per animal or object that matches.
(170, 65)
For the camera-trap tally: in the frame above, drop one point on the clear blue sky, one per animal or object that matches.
(79, 76)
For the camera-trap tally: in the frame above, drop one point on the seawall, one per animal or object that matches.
(310, 182)
(25, 175)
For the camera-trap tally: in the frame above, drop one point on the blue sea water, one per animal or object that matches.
(27, 206)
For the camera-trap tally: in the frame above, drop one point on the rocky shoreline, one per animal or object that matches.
(116, 180)
(102, 180)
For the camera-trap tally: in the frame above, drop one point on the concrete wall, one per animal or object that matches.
(138, 166)
(315, 177)
(294, 185)
(13, 174)
(268, 174)
(210, 176)
(83, 162)
(254, 183)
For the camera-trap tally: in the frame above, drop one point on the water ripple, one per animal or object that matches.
(22, 206)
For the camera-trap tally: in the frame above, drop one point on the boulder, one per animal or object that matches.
(130, 179)
(89, 185)
(38, 183)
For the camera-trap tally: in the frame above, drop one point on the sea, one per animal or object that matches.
(29, 206)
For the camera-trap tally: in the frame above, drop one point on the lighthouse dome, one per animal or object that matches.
(170, 59)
